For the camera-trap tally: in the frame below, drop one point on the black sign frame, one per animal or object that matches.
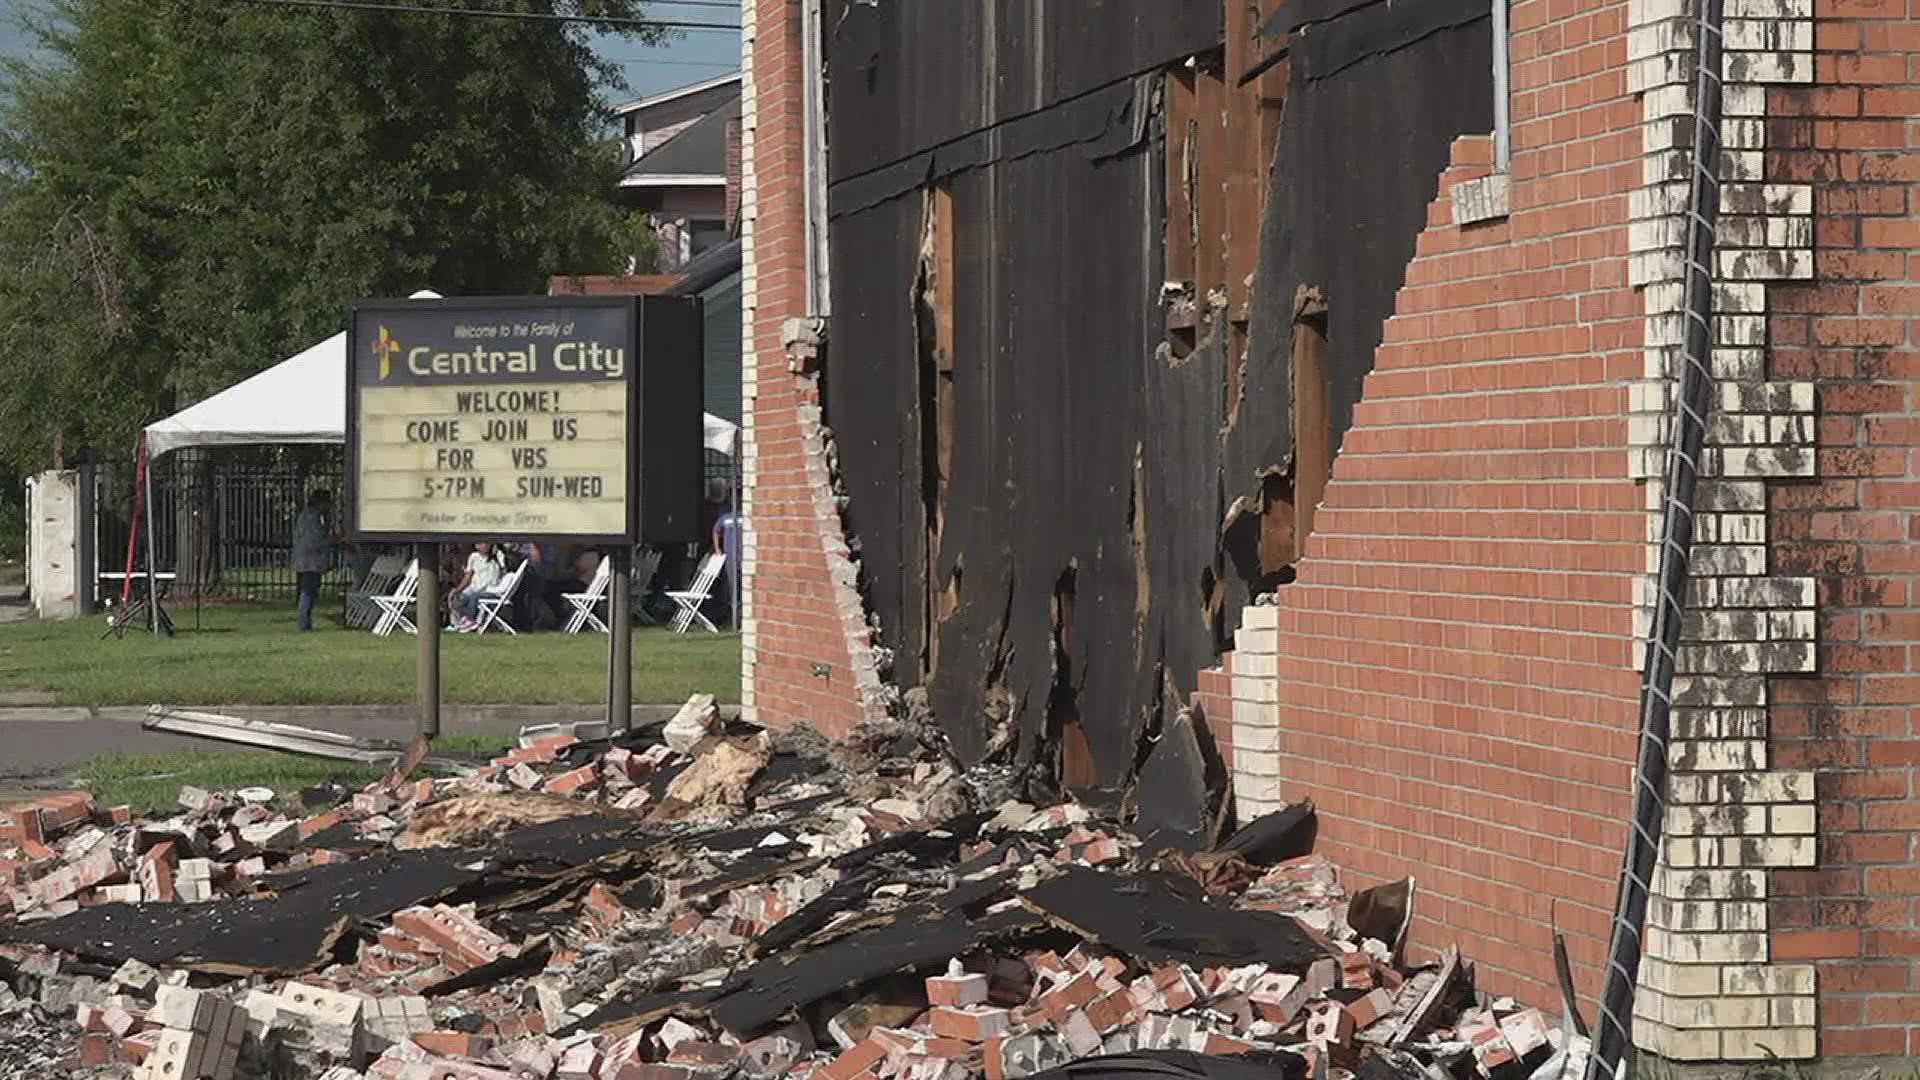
(630, 306)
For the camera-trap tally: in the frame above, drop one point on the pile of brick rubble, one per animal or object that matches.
(705, 901)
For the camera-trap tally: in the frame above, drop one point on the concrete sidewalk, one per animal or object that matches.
(41, 739)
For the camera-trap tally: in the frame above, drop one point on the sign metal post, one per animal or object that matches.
(620, 642)
(426, 618)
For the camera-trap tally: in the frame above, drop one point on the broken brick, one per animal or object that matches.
(1356, 971)
(1370, 1007)
(451, 1043)
(956, 988)
(973, 1023)
(580, 779)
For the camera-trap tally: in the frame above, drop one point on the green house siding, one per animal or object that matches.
(723, 348)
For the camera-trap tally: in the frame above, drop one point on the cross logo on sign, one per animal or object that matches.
(384, 349)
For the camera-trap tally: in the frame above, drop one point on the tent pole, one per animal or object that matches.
(133, 527)
(153, 593)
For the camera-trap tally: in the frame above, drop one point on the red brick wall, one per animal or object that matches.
(799, 668)
(1458, 678)
(1854, 332)
(1215, 700)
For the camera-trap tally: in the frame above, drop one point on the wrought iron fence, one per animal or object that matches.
(222, 518)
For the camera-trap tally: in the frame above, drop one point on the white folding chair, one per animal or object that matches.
(491, 604)
(381, 578)
(646, 563)
(583, 603)
(393, 608)
(690, 599)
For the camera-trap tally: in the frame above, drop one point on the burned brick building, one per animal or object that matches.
(1307, 367)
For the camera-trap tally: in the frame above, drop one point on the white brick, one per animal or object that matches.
(1726, 820)
(1264, 714)
(1792, 1012)
(1741, 691)
(1711, 884)
(1688, 851)
(1256, 666)
(1724, 625)
(1744, 365)
(1761, 461)
(1250, 640)
(1746, 755)
(1262, 766)
(1744, 165)
(1772, 851)
(1740, 99)
(1681, 980)
(1260, 617)
(1768, 9)
(1769, 35)
(1737, 429)
(1765, 199)
(1256, 788)
(1792, 1044)
(1664, 199)
(1793, 430)
(1727, 560)
(1718, 948)
(1794, 820)
(1685, 915)
(1767, 592)
(1724, 1012)
(1743, 134)
(1767, 979)
(1767, 67)
(1642, 12)
(1256, 689)
(1743, 916)
(1791, 625)
(1764, 264)
(1771, 657)
(1783, 786)
(1665, 101)
(1676, 1045)
(1259, 740)
(1651, 40)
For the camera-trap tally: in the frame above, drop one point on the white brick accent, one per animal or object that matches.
(1256, 712)
(1708, 991)
(749, 363)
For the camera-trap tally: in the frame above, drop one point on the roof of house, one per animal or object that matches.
(707, 269)
(694, 155)
(676, 94)
(611, 284)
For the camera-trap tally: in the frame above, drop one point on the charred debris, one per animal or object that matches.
(701, 899)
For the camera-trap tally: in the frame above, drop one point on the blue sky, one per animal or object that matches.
(693, 56)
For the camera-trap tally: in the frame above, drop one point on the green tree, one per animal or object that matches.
(191, 190)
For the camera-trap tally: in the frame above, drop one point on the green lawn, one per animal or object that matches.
(254, 656)
(152, 782)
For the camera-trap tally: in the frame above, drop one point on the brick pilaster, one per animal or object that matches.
(1710, 988)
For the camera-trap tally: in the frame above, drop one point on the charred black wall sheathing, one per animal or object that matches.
(1338, 220)
(1043, 124)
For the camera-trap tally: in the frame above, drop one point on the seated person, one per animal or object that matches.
(484, 574)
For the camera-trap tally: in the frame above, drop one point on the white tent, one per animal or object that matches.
(303, 399)
(299, 400)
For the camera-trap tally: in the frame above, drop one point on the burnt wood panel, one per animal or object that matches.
(1081, 568)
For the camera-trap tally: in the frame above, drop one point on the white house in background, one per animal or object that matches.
(679, 143)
